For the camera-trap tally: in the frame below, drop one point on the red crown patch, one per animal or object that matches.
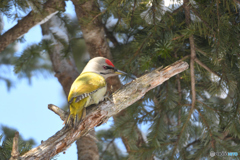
(109, 62)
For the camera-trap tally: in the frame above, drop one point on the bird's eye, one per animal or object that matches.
(105, 67)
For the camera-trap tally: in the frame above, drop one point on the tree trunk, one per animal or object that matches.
(89, 17)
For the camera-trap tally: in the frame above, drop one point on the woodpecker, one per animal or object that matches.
(89, 88)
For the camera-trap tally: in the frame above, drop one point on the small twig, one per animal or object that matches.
(200, 51)
(208, 127)
(62, 114)
(175, 38)
(185, 57)
(192, 143)
(207, 106)
(15, 154)
(205, 67)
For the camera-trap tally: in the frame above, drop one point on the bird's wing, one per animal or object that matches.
(85, 85)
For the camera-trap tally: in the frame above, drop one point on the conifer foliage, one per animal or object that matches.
(188, 116)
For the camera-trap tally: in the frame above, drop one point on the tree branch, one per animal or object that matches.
(62, 114)
(29, 21)
(200, 51)
(193, 52)
(204, 66)
(15, 154)
(120, 100)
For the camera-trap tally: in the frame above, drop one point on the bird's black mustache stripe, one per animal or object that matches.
(104, 73)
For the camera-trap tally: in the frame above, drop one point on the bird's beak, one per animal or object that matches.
(121, 72)
(116, 71)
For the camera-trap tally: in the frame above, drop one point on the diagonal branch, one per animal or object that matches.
(120, 100)
(202, 52)
(29, 21)
(205, 67)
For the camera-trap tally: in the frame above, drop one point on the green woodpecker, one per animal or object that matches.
(89, 88)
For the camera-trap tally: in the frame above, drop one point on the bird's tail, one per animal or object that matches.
(74, 118)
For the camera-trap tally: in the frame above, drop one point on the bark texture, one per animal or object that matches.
(87, 148)
(88, 14)
(120, 100)
(30, 21)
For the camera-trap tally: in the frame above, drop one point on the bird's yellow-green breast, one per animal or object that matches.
(89, 88)
(85, 83)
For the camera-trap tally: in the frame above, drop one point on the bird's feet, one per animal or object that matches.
(107, 97)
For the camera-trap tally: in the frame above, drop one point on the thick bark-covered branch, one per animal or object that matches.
(120, 100)
(29, 21)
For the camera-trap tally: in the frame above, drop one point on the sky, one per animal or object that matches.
(24, 107)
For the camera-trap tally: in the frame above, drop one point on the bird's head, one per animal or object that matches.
(102, 66)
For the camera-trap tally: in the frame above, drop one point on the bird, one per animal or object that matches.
(89, 88)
